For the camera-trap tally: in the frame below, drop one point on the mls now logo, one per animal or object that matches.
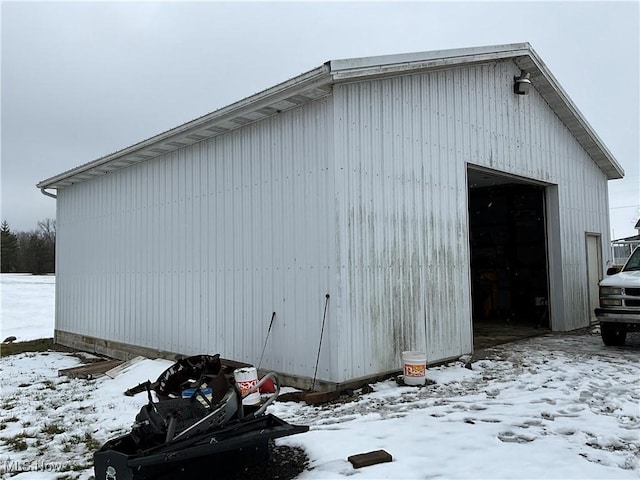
(19, 466)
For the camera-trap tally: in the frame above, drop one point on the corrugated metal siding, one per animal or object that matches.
(403, 248)
(193, 251)
(402, 149)
(362, 195)
(583, 208)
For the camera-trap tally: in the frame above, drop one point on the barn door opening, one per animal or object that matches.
(509, 273)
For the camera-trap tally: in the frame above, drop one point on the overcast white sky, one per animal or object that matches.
(84, 79)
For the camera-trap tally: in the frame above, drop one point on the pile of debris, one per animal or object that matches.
(205, 420)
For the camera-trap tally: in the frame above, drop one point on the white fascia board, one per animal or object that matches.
(377, 61)
(314, 79)
(560, 102)
(410, 62)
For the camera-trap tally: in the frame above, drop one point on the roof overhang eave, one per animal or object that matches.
(310, 86)
(549, 88)
(318, 82)
(385, 66)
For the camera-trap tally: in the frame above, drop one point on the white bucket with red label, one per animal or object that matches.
(414, 365)
(246, 378)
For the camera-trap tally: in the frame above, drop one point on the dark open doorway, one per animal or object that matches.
(509, 278)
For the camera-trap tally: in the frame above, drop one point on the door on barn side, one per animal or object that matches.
(594, 272)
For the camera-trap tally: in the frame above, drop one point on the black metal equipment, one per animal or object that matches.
(173, 378)
(178, 436)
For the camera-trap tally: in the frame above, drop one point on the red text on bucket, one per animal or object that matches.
(414, 370)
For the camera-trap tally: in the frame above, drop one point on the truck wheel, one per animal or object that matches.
(612, 334)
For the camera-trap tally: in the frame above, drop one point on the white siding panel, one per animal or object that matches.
(192, 252)
(399, 189)
(402, 149)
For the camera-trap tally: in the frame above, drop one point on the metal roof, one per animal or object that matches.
(318, 82)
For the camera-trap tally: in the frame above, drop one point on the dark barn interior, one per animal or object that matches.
(509, 281)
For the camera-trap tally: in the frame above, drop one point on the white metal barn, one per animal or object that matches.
(423, 193)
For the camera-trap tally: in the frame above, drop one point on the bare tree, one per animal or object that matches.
(48, 230)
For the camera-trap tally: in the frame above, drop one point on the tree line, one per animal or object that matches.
(29, 252)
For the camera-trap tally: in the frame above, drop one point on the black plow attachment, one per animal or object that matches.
(211, 435)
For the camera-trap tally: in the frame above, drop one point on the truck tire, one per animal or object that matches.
(612, 334)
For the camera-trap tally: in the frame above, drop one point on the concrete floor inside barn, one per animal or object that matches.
(490, 333)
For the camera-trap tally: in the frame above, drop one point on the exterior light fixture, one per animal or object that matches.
(522, 83)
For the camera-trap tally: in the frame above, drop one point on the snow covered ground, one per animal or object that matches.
(26, 306)
(556, 406)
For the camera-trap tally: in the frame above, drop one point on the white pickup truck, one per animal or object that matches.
(619, 310)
